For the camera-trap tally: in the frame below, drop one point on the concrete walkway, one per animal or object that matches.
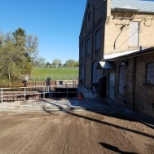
(89, 104)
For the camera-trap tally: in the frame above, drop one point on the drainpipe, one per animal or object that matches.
(134, 83)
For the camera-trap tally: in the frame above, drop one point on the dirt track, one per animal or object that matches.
(72, 133)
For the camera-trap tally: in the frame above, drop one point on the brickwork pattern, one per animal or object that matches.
(97, 11)
(136, 91)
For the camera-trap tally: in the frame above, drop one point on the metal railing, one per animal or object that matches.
(26, 93)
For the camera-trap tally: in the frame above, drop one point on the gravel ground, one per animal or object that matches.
(69, 132)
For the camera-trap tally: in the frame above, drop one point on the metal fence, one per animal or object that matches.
(37, 92)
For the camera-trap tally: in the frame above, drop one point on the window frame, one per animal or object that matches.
(123, 81)
(133, 34)
(88, 46)
(97, 39)
(146, 75)
(89, 16)
(82, 50)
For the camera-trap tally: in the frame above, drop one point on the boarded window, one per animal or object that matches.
(150, 73)
(134, 34)
(97, 40)
(122, 79)
(81, 81)
(88, 46)
(82, 50)
(89, 17)
(95, 72)
(82, 72)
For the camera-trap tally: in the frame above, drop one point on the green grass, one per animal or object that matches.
(41, 74)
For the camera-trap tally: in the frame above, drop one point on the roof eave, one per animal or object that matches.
(134, 54)
(131, 10)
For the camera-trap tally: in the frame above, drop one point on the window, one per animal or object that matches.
(95, 72)
(82, 50)
(88, 46)
(82, 71)
(134, 34)
(122, 79)
(150, 73)
(95, 76)
(81, 81)
(89, 16)
(97, 40)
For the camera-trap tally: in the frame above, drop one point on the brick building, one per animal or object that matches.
(133, 81)
(111, 29)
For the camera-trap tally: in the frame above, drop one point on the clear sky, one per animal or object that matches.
(57, 24)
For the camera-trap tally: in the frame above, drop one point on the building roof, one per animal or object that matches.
(118, 54)
(145, 6)
(130, 54)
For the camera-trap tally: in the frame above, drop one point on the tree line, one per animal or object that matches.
(40, 62)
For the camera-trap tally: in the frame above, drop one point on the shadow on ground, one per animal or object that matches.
(71, 111)
(115, 149)
(98, 106)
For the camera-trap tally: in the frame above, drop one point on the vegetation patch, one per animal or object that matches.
(41, 74)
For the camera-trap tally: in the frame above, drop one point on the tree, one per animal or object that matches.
(39, 62)
(19, 32)
(16, 55)
(31, 46)
(19, 37)
(70, 63)
(48, 65)
(56, 62)
(76, 64)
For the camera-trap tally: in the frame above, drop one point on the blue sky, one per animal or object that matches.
(57, 24)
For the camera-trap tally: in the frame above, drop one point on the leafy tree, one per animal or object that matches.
(19, 32)
(31, 46)
(11, 62)
(39, 62)
(17, 52)
(76, 64)
(56, 62)
(70, 63)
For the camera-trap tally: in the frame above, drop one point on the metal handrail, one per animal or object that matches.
(24, 92)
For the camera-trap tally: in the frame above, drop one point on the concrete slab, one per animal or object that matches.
(89, 104)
